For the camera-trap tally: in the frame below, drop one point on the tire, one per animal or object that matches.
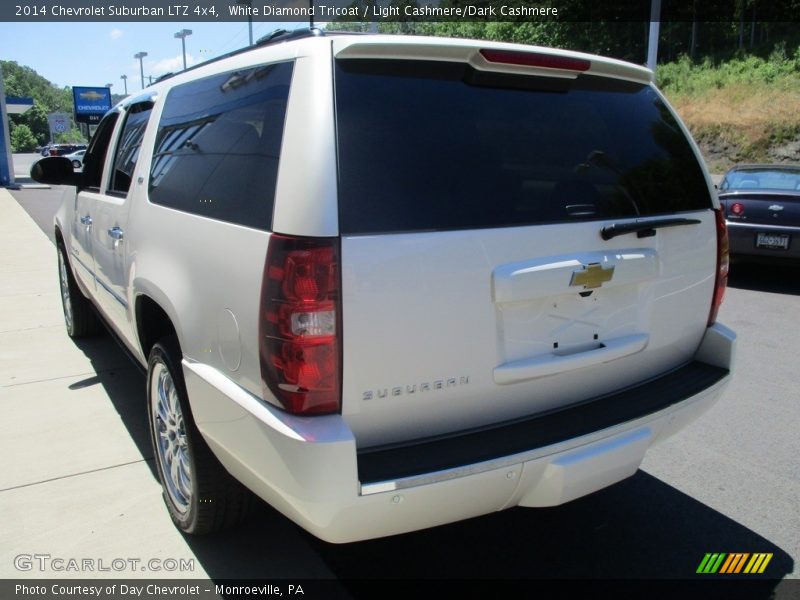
(76, 164)
(79, 315)
(201, 496)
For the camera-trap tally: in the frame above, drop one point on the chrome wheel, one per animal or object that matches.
(170, 438)
(65, 297)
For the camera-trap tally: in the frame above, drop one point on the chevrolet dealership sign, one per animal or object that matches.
(91, 103)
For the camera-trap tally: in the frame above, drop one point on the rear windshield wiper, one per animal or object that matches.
(643, 228)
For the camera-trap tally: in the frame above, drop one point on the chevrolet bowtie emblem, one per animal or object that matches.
(592, 276)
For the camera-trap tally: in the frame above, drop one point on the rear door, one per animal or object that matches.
(111, 211)
(494, 261)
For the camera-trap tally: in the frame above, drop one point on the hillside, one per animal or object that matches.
(32, 126)
(741, 110)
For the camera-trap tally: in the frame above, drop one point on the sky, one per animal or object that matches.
(94, 54)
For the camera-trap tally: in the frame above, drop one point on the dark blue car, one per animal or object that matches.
(762, 211)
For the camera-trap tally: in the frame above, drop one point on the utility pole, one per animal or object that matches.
(182, 35)
(125, 81)
(652, 40)
(140, 56)
(248, 3)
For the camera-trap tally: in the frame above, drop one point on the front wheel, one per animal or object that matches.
(79, 315)
(200, 494)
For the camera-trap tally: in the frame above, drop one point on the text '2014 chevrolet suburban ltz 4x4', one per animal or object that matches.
(386, 283)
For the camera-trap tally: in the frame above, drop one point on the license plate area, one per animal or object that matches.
(773, 241)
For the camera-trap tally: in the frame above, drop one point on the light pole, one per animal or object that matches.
(182, 34)
(109, 85)
(140, 56)
(249, 17)
(652, 39)
(125, 81)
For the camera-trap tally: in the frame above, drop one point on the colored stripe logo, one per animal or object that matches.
(734, 563)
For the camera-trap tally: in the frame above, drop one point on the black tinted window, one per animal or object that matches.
(219, 143)
(440, 146)
(95, 156)
(128, 147)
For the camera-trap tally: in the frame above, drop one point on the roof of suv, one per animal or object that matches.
(361, 45)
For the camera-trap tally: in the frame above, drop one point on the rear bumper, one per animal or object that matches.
(742, 238)
(310, 469)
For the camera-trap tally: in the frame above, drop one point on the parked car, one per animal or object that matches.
(387, 283)
(64, 149)
(762, 211)
(76, 158)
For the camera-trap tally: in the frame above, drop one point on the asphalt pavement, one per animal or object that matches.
(77, 477)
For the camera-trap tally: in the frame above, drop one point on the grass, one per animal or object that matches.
(739, 109)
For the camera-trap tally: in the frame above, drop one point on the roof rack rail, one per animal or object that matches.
(163, 77)
(282, 35)
(277, 36)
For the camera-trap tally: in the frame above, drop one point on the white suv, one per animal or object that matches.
(387, 283)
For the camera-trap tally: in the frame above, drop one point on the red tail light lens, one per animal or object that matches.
(535, 59)
(737, 209)
(723, 266)
(299, 323)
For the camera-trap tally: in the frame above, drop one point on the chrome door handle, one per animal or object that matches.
(116, 233)
(87, 220)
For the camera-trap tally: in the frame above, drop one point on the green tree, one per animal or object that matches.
(72, 136)
(47, 98)
(22, 139)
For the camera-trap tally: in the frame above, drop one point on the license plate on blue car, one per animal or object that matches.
(773, 241)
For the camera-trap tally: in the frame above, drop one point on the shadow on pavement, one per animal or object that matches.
(124, 383)
(775, 278)
(640, 528)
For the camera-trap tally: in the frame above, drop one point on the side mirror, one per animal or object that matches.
(55, 170)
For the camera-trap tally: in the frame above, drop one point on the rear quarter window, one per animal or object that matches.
(437, 146)
(218, 145)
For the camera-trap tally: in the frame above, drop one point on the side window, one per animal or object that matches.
(218, 145)
(128, 147)
(95, 156)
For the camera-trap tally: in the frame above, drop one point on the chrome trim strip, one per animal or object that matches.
(730, 194)
(537, 453)
(240, 396)
(83, 264)
(737, 224)
(114, 295)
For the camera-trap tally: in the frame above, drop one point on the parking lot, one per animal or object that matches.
(78, 475)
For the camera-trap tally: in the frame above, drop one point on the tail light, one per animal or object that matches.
(299, 339)
(723, 265)
(737, 209)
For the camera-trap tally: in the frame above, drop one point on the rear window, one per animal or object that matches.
(218, 145)
(438, 146)
(762, 179)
